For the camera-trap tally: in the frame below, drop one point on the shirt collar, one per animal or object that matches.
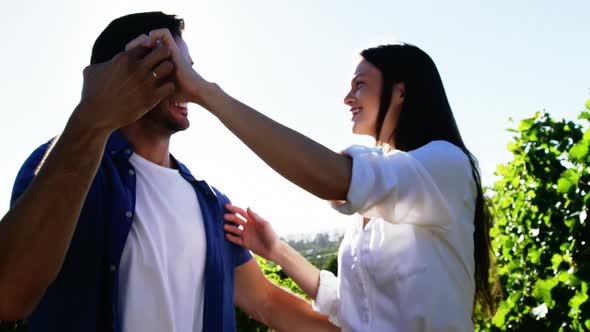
(118, 147)
(183, 170)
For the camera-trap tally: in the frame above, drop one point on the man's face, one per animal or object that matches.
(172, 113)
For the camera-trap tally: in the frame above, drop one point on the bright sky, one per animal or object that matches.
(293, 61)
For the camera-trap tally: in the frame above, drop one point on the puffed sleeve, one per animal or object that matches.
(419, 187)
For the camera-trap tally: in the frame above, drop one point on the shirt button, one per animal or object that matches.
(131, 172)
(128, 214)
(112, 268)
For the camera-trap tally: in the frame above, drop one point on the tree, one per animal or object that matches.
(541, 235)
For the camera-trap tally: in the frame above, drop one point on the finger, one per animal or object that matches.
(232, 229)
(155, 57)
(234, 239)
(163, 70)
(164, 91)
(136, 53)
(141, 40)
(238, 210)
(164, 36)
(255, 217)
(235, 219)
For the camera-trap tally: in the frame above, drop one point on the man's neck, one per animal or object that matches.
(149, 142)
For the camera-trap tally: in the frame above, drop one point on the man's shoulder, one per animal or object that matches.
(220, 195)
(38, 156)
(30, 168)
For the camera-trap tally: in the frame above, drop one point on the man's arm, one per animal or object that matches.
(36, 232)
(272, 305)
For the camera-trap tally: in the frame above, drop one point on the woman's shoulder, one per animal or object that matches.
(360, 150)
(442, 148)
(442, 154)
(436, 154)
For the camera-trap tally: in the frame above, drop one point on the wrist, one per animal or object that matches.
(84, 120)
(280, 253)
(205, 94)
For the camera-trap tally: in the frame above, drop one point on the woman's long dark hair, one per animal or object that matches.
(426, 116)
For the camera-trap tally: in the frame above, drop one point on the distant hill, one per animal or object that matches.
(319, 249)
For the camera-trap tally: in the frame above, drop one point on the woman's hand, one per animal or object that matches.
(189, 82)
(252, 232)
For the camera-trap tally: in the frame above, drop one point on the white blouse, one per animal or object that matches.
(412, 266)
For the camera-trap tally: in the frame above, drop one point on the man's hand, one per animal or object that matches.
(120, 91)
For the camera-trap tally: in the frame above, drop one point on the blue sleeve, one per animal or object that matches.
(27, 172)
(238, 255)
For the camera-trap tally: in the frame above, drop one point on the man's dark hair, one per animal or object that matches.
(124, 29)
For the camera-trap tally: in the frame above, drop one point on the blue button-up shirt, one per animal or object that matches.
(84, 297)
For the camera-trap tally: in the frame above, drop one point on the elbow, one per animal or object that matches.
(330, 182)
(268, 304)
(17, 302)
(335, 191)
(336, 183)
(11, 310)
(265, 308)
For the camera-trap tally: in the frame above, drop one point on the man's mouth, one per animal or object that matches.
(179, 107)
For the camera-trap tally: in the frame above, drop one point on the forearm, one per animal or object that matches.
(303, 273)
(301, 160)
(288, 312)
(35, 234)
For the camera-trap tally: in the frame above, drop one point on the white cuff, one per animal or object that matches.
(361, 182)
(327, 299)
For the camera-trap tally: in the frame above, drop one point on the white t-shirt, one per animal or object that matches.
(161, 276)
(412, 267)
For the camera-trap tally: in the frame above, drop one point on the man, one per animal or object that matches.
(108, 231)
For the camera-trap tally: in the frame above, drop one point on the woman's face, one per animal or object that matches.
(363, 98)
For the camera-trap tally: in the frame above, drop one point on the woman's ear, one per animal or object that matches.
(398, 93)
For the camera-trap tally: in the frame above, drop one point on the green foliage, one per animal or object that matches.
(541, 235)
(332, 264)
(278, 277)
(20, 326)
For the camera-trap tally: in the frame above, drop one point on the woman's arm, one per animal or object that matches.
(274, 306)
(299, 159)
(253, 232)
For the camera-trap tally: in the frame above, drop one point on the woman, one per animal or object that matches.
(419, 256)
